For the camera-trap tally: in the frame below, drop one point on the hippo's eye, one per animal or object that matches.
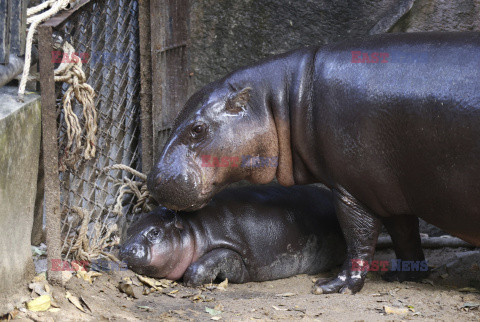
(198, 130)
(153, 234)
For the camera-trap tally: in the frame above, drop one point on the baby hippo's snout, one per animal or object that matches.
(134, 254)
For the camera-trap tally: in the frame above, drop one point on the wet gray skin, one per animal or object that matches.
(244, 234)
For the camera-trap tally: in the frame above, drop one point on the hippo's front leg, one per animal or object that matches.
(360, 228)
(219, 263)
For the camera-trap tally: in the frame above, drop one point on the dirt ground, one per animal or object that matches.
(442, 297)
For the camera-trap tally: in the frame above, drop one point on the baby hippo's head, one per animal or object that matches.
(155, 245)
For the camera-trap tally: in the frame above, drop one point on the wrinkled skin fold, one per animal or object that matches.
(394, 140)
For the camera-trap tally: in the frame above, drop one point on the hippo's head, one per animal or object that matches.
(155, 246)
(223, 134)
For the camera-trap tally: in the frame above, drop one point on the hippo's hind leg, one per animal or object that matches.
(219, 263)
(360, 228)
(408, 248)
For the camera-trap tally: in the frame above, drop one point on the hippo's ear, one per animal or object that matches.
(178, 224)
(237, 103)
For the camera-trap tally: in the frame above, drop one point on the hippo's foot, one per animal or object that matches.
(410, 264)
(360, 228)
(402, 276)
(218, 263)
(345, 283)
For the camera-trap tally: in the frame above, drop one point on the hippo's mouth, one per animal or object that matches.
(192, 207)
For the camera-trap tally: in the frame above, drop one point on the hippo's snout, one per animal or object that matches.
(134, 254)
(178, 189)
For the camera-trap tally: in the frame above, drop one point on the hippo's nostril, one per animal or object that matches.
(137, 251)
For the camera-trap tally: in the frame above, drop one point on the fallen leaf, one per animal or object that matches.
(279, 309)
(78, 268)
(127, 289)
(41, 303)
(298, 309)
(395, 310)
(223, 285)
(150, 282)
(75, 301)
(40, 277)
(66, 276)
(212, 311)
(54, 310)
(147, 308)
(85, 303)
(86, 276)
(470, 306)
(53, 303)
(11, 315)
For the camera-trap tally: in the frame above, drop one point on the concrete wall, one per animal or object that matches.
(20, 130)
(227, 34)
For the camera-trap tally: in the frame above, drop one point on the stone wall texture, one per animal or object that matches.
(228, 34)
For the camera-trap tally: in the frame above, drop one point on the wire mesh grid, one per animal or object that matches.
(105, 34)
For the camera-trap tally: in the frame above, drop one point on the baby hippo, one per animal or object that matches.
(245, 234)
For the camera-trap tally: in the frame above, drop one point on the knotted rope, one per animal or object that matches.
(71, 72)
(90, 247)
(144, 202)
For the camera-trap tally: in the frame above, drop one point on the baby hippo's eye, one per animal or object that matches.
(153, 234)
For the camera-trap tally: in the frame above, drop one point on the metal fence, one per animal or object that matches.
(105, 35)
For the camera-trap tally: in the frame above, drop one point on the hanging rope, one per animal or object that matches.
(71, 72)
(34, 21)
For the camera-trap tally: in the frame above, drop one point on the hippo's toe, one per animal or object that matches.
(345, 283)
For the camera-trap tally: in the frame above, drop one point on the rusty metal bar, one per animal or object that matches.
(146, 86)
(61, 17)
(50, 151)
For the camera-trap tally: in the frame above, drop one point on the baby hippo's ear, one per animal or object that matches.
(238, 102)
(178, 224)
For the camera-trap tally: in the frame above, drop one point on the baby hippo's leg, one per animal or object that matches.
(219, 263)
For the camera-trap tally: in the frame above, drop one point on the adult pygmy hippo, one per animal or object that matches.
(245, 234)
(391, 123)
